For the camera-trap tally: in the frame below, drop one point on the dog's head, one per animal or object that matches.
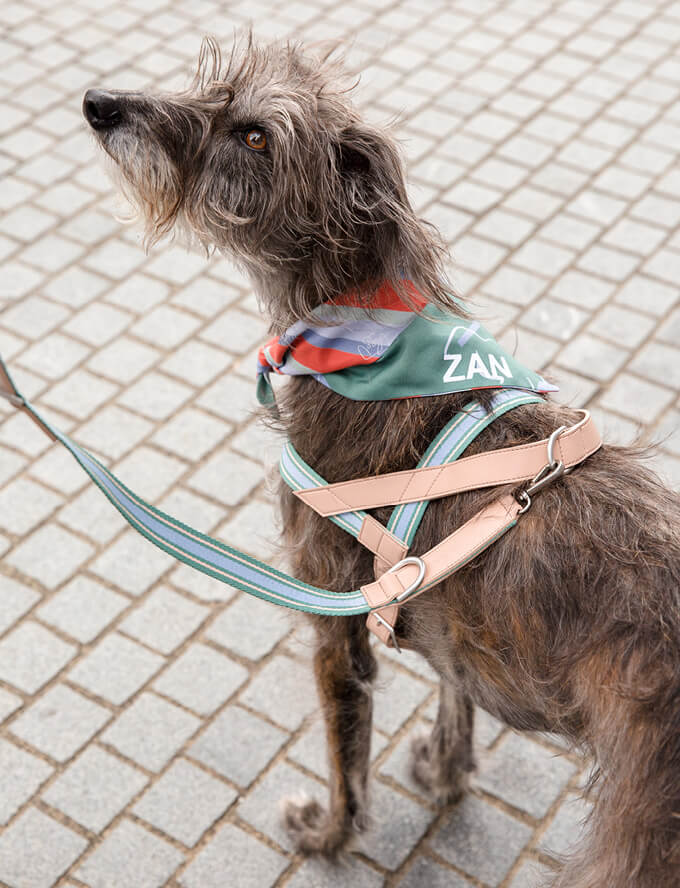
(264, 157)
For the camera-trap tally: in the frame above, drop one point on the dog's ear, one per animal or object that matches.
(365, 151)
(374, 232)
(352, 161)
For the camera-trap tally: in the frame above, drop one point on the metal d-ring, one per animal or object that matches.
(410, 589)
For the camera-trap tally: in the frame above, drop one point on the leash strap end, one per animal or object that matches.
(9, 391)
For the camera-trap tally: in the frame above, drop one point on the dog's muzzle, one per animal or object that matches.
(102, 109)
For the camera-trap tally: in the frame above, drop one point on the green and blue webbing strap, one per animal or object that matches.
(449, 444)
(188, 545)
(211, 556)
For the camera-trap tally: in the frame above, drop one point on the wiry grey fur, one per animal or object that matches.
(571, 623)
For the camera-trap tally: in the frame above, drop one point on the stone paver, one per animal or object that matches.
(165, 713)
(525, 775)
(36, 850)
(481, 840)
(426, 872)
(22, 774)
(115, 668)
(130, 855)
(95, 788)
(281, 782)
(566, 828)
(60, 722)
(151, 731)
(31, 655)
(16, 600)
(201, 679)
(233, 857)
(226, 746)
(82, 608)
(351, 873)
(185, 802)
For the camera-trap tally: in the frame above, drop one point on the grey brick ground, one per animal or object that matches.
(233, 857)
(22, 774)
(525, 775)
(288, 706)
(95, 788)
(185, 802)
(227, 745)
(31, 655)
(35, 850)
(151, 717)
(60, 722)
(566, 827)
(201, 679)
(151, 731)
(426, 872)
(82, 608)
(249, 628)
(130, 855)
(281, 782)
(115, 669)
(481, 840)
(400, 824)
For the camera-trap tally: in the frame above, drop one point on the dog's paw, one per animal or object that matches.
(312, 829)
(446, 781)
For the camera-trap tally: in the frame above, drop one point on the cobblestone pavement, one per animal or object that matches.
(152, 718)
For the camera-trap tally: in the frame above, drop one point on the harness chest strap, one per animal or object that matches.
(391, 542)
(455, 551)
(493, 468)
(413, 575)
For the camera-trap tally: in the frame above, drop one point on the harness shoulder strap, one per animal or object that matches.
(449, 444)
(298, 475)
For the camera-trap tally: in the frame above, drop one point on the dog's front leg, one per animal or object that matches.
(344, 666)
(442, 762)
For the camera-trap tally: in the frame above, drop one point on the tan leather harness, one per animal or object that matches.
(400, 577)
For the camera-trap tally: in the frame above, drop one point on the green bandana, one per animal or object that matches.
(399, 355)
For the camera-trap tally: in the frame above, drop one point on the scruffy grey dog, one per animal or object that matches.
(571, 623)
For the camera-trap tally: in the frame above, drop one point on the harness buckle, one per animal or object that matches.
(408, 591)
(420, 564)
(551, 472)
(390, 629)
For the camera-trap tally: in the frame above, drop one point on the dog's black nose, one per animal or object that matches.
(101, 108)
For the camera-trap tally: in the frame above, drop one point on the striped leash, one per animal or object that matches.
(405, 579)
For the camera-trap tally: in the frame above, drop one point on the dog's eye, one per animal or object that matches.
(255, 139)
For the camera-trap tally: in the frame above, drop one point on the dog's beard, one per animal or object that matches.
(149, 184)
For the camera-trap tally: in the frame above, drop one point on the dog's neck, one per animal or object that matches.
(290, 296)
